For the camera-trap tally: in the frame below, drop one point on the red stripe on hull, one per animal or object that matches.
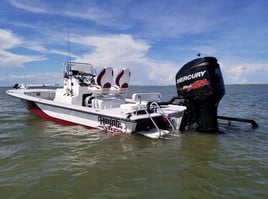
(34, 109)
(43, 115)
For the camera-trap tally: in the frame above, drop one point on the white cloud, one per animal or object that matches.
(59, 52)
(113, 48)
(186, 27)
(237, 74)
(242, 74)
(175, 18)
(107, 13)
(8, 59)
(34, 46)
(8, 39)
(118, 51)
(125, 51)
(32, 78)
(34, 6)
(155, 18)
(11, 41)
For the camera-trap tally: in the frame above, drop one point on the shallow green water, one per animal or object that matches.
(41, 159)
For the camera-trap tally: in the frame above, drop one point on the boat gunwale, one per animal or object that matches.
(21, 94)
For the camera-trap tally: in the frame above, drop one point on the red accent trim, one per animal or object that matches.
(100, 76)
(164, 119)
(194, 85)
(107, 85)
(125, 85)
(118, 77)
(43, 115)
(34, 109)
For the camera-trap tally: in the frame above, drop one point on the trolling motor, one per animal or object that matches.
(200, 83)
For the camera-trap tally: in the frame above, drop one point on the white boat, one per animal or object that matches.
(94, 101)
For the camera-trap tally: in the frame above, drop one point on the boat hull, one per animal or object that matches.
(34, 109)
(129, 117)
(74, 117)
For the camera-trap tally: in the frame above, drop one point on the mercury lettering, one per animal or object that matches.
(191, 76)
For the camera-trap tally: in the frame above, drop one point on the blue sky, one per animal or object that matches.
(153, 38)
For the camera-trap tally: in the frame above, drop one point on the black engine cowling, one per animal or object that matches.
(200, 84)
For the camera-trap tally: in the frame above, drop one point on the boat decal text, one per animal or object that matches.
(104, 121)
(194, 85)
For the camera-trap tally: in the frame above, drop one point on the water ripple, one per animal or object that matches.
(41, 159)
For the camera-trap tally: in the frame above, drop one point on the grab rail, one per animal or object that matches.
(163, 114)
(149, 115)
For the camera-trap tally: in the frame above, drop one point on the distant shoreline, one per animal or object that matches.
(266, 84)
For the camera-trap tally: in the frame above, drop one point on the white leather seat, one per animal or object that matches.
(103, 81)
(122, 81)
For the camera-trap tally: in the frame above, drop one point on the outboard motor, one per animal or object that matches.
(200, 84)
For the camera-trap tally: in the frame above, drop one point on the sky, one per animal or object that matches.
(153, 38)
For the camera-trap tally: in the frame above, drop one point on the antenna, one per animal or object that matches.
(69, 55)
(69, 90)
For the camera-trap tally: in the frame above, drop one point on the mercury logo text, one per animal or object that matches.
(191, 76)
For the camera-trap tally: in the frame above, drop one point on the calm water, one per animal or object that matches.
(41, 159)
